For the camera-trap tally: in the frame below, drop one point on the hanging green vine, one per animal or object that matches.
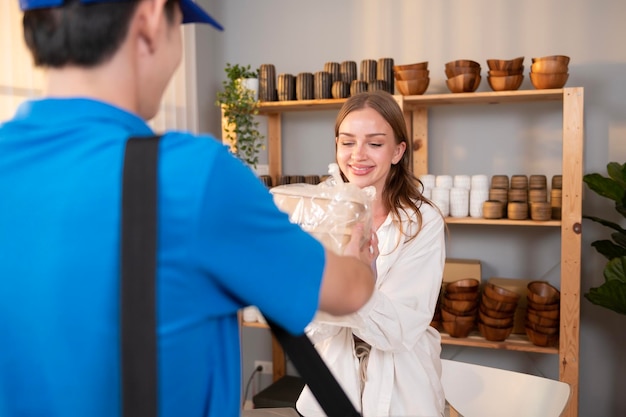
(240, 108)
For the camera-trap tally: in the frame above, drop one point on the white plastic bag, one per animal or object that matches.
(328, 210)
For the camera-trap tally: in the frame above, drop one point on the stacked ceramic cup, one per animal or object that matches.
(339, 87)
(479, 193)
(495, 207)
(267, 83)
(517, 208)
(540, 209)
(286, 87)
(556, 196)
(428, 181)
(440, 195)
(384, 72)
(459, 196)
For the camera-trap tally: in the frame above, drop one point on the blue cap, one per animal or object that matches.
(192, 13)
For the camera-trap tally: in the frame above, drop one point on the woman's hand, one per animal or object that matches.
(368, 251)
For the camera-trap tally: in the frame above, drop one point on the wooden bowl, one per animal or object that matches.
(462, 63)
(411, 74)
(501, 306)
(505, 83)
(549, 66)
(562, 58)
(453, 71)
(463, 285)
(494, 334)
(462, 296)
(504, 73)
(505, 64)
(459, 305)
(541, 292)
(412, 87)
(495, 313)
(415, 66)
(542, 307)
(542, 329)
(535, 318)
(541, 339)
(458, 328)
(495, 322)
(445, 309)
(546, 81)
(498, 293)
(463, 83)
(458, 318)
(548, 314)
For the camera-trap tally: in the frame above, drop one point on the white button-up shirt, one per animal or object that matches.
(404, 368)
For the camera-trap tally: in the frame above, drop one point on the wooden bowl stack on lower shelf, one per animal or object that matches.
(497, 311)
(459, 304)
(542, 313)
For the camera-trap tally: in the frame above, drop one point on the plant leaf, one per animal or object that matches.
(620, 239)
(606, 223)
(611, 295)
(604, 187)
(617, 172)
(615, 270)
(608, 249)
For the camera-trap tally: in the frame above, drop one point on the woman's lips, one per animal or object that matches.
(361, 170)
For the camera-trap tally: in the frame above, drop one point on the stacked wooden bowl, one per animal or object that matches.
(549, 71)
(412, 79)
(463, 75)
(542, 313)
(496, 313)
(505, 74)
(459, 304)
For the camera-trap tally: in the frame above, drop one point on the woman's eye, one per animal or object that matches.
(376, 145)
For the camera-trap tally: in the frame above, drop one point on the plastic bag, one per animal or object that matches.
(328, 210)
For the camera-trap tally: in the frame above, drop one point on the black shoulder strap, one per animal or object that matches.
(138, 300)
(138, 268)
(313, 370)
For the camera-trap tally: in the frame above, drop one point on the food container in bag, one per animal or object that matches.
(328, 210)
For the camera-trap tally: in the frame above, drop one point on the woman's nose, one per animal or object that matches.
(358, 152)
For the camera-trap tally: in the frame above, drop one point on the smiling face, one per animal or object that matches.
(367, 148)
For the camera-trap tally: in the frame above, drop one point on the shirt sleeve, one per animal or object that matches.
(408, 286)
(252, 249)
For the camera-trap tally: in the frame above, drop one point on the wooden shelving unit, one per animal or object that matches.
(415, 109)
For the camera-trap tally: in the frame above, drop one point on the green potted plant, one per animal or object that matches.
(239, 107)
(612, 293)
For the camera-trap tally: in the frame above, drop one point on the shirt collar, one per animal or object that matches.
(62, 111)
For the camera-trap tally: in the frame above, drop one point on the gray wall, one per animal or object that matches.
(298, 36)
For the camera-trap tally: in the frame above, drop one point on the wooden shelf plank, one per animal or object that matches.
(502, 222)
(517, 342)
(268, 107)
(489, 97)
(410, 103)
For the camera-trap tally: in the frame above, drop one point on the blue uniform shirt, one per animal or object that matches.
(222, 245)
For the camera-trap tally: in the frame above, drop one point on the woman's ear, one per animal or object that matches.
(399, 152)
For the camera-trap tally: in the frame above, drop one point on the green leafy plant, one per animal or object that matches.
(239, 109)
(611, 294)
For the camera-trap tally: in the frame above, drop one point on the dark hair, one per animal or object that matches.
(80, 34)
(402, 189)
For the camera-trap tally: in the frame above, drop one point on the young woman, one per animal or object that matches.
(386, 356)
